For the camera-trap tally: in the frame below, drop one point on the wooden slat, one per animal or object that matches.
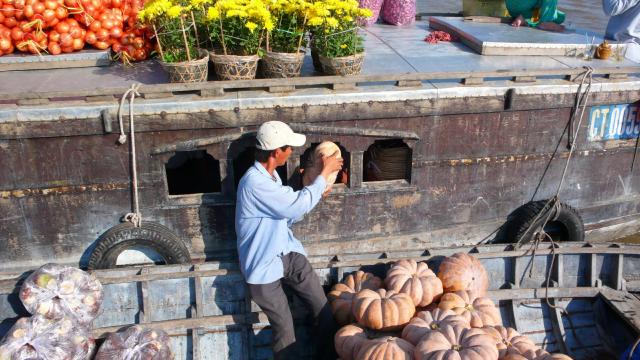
(320, 81)
(558, 326)
(145, 311)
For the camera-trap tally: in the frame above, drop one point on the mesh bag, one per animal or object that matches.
(136, 343)
(39, 338)
(55, 291)
(375, 6)
(399, 12)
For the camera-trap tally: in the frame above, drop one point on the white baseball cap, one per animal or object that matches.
(274, 134)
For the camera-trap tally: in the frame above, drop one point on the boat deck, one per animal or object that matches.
(389, 50)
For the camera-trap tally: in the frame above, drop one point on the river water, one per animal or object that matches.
(581, 14)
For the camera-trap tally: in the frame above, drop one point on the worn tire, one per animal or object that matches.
(567, 227)
(125, 236)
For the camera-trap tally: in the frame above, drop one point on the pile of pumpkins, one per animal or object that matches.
(415, 315)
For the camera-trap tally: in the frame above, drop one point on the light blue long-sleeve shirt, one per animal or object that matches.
(265, 209)
(625, 20)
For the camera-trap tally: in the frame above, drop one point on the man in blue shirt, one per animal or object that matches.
(270, 255)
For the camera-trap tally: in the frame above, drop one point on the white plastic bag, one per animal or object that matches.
(39, 338)
(136, 343)
(55, 291)
(399, 12)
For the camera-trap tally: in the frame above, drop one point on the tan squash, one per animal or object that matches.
(348, 341)
(544, 355)
(456, 342)
(386, 348)
(513, 357)
(461, 272)
(427, 321)
(341, 296)
(314, 165)
(382, 310)
(509, 341)
(416, 280)
(478, 311)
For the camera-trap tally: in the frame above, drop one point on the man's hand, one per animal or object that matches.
(330, 164)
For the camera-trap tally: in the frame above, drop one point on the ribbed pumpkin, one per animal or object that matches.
(348, 341)
(427, 321)
(463, 272)
(479, 311)
(514, 357)
(456, 343)
(315, 164)
(416, 280)
(509, 341)
(386, 348)
(382, 310)
(341, 296)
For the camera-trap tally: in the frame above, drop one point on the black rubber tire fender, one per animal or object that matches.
(125, 236)
(522, 218)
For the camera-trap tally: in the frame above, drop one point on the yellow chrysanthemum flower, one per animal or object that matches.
(251, 25)
(174, 11)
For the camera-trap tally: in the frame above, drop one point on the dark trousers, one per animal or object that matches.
(300, 277)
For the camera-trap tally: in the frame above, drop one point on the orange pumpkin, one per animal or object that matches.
(427, 321)
(478, 311)
(415, 279)
(509, 341)
(461, 272)
(341, 296)
(382, 310)
(348, 341)
(456, 342)
(386, 348)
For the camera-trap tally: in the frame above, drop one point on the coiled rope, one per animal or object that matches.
(134, 217)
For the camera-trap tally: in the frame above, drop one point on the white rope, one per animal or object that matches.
(134, 217)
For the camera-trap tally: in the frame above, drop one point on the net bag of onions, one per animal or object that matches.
(37, 337)
(55, 291)
(136, 342)
(399, 12)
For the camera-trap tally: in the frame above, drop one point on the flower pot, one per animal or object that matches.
(235, 67)
(188, 71)
(282, 65)
(346, 65)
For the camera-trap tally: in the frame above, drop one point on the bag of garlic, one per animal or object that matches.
(136, 342)
(36, 337)
(55, 291)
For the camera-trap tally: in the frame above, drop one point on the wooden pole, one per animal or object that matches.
(195, 29)
(184, 36)
(304, 22)
(224, 46)
(155, 31)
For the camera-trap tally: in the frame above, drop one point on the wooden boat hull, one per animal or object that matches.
(206, 309)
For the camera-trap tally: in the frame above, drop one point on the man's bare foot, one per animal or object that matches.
(519, 21)
(551, 26)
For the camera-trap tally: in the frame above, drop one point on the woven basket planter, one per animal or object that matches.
(235, 67)
(282, 65)
(346, 65)
(188, 71)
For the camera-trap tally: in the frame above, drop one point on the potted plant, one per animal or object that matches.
(173, 25)
(334, 29)
(239, 28)
(284, 52)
